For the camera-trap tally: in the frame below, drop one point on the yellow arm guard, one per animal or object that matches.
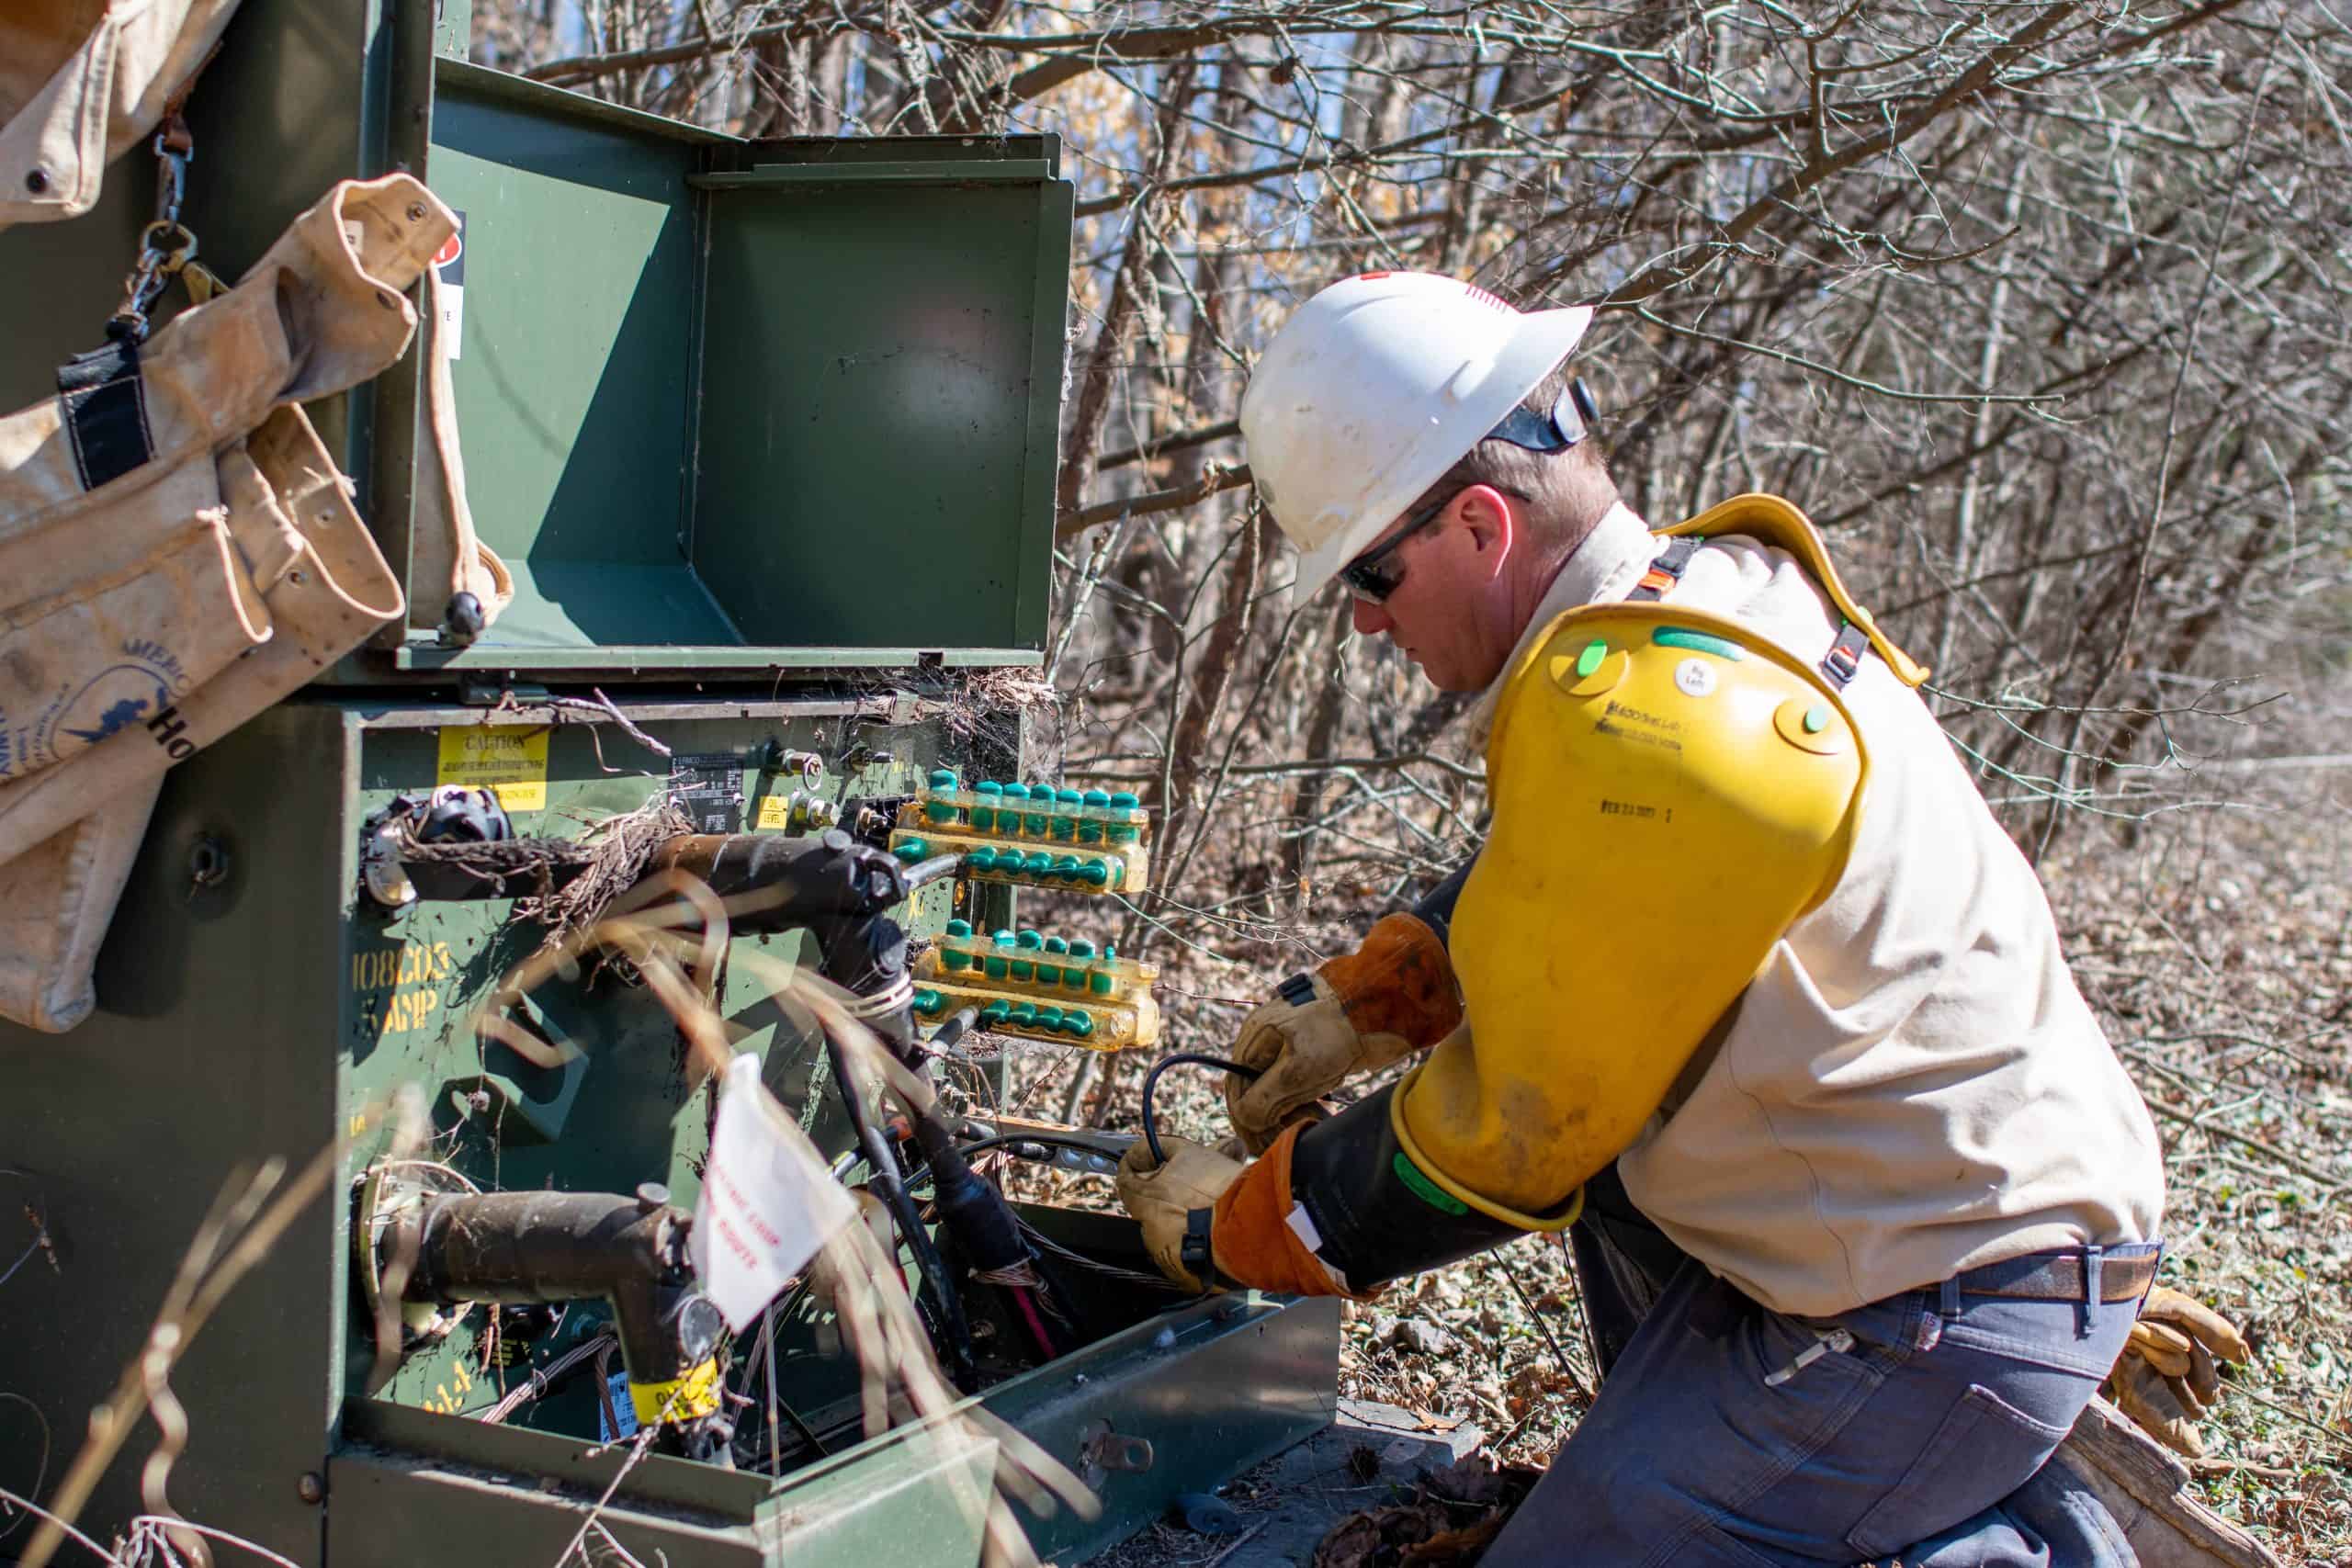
(1671, 793)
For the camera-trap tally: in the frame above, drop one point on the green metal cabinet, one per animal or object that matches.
(766, 432)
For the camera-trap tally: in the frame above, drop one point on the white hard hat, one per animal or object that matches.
(1372, 390)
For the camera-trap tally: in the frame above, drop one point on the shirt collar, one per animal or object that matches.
(1604, 567)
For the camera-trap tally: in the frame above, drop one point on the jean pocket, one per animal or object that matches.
(1984, 1449)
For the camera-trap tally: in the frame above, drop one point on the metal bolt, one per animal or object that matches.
(651, 1195)
(207, 862)
(477, 1102)
(37, 181)
(309, 1487)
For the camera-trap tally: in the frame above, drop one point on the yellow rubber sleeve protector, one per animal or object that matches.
(1671, 793)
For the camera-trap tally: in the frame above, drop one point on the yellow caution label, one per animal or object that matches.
(682, 1399)
(510, 760)
(775, 809)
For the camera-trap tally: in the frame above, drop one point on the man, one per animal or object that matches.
(1750, 982)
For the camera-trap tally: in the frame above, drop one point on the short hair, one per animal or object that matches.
(1564, 492)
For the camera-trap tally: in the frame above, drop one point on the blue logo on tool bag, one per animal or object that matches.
(117, 715)
(138, 690)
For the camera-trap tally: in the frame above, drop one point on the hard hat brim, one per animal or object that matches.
(1540, 341)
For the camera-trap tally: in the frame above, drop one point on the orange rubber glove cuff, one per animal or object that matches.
(1400, 982)
(1251, 1235)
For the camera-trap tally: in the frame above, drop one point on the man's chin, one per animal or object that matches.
(1449, 681)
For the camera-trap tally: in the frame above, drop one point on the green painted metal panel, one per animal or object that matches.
(573, 376)
(402, 1497)
(213, 1049)
(900, 397)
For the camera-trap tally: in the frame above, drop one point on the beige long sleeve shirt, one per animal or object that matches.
(1911, 1086)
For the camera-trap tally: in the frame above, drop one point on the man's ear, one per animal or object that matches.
(1487, 514)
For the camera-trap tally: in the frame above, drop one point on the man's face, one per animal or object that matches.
(1448, 601)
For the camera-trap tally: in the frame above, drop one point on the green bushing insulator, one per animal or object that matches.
(1029, 940)
(996, 965)
(1025, 1015)
(928, 1002)
(1050, 1020)
(1100, 981)
(1074, 977)
(954, 958)
(912, 851)
(959, 928)
(1079, 1023)
(984, 814)
(1056, 945)
(1094, 874)
(1090, 830)
(1036, 823)
(943, 782)
(1080, 948)
(1066, 824)
(1124, 832)
(981, 862)
(1022, 968)
(950, 952)
(994, 1014)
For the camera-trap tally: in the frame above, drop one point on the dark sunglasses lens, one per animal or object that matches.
(1373, 579)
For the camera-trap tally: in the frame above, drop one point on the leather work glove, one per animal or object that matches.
(2165, 1379)
(1163, 1197)
(1357, 1013)
(1243, 1234)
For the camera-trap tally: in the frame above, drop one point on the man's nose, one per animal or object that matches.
(1371, 620)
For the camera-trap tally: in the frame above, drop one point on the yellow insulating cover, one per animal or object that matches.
(1671, 793)
(1770, 520)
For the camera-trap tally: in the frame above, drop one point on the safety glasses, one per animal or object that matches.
(1371, 576)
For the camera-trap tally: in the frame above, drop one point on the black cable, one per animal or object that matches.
(947, 1307)
(1006, 1140)
(931, 870)
(1151, 1081)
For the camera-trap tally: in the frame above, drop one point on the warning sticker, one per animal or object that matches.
(511, 759)
(776, 810)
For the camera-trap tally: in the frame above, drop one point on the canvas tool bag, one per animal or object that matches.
(81, 81)
(177, 552)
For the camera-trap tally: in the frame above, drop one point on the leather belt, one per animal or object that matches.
(2124, 1274)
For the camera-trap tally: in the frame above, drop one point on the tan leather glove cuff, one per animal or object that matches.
(1400, 982)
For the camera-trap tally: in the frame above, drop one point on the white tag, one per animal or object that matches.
(767, 1204)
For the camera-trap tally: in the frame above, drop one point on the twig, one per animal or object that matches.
(2331, 1184)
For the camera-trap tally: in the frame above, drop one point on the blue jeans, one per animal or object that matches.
(1727, 1434)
